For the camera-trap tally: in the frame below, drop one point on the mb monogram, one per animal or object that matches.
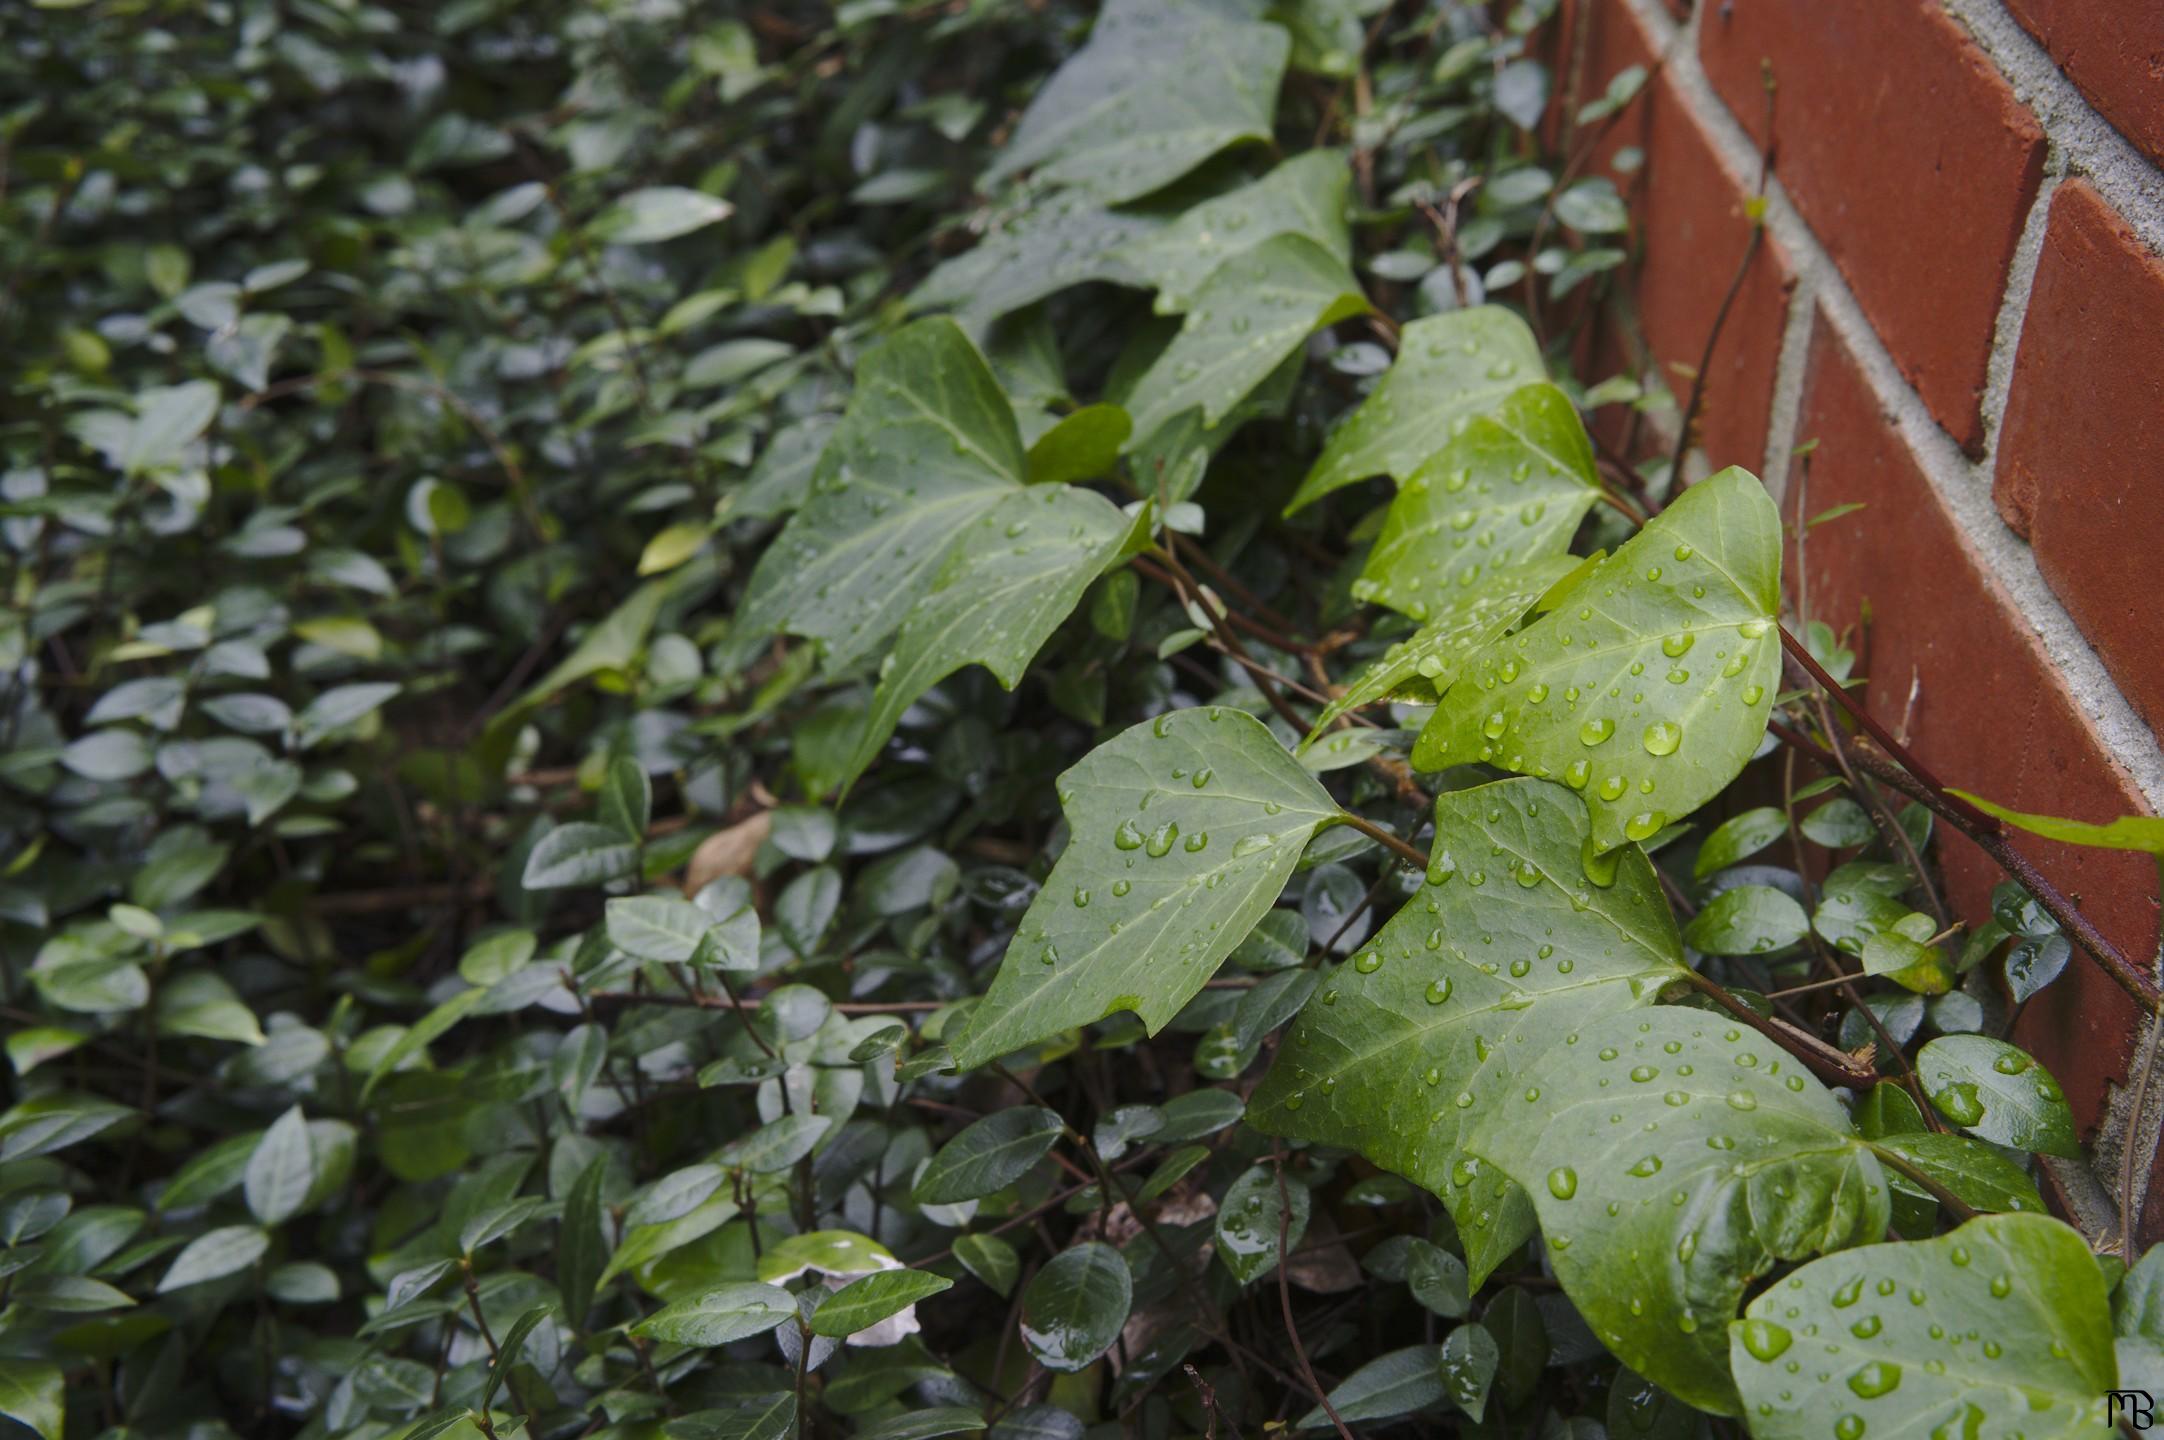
(2133, 1405)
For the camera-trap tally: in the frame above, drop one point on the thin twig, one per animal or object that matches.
(1284, 1296)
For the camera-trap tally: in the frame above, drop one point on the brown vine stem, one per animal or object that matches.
(1960, 1208)
(1284, 1297)
(1409, 853)
(1991, 839)
(1827, 1063)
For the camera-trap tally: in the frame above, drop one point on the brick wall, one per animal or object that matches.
(1960, 298)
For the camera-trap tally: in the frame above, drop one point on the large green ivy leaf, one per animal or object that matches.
(1254, 310)
(1511, 489)
(1995, 1330)
(1424, 666)
(927, 444)
(1184, 830)
(1059, 241)
(1673, 1157)
(1649, 688)
(1505, 947)
(1449, 367)
(1307, 195)
(1018, 570)
(1161, 87)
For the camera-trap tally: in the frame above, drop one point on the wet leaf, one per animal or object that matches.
(1073, 1308)
(1387, 1386)
(988, 1155)
(1747, 920)
(718, 1315)
(1254, 1217)
(1995, 1328)
(1997, 1092)
(1306, 196)
(1648, 690)
(1184, 830)
(1506, 946)
(1632, 1111)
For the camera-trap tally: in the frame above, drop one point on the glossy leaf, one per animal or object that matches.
(1508, 490)
(720, 1315)
(1997, 1092)
(1996, 1329)
(1632, 1111)
(33, 1394)
(1980, 1176)
(1162, 86)
(1183, 832)
(1388, 1386)
(1257, 1221)
(2128, 832)
(1082, 446)
(1057, 242)
(1073, 1308)
(216, 1254)
(991, 1260)
(1747, 920)
(1449, 368)
(1738, 838)
(1422, 667)
(1407, 1045)
(1467, 1365)
(1305, 196)
(988, 1155)
(1253, 312)
(1649, 689)
(927, 444)
(1015, 573)
(864, 1302)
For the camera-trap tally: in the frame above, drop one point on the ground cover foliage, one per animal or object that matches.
(727, 720)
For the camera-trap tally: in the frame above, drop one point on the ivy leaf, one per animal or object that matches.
(1997, 1092)
(1013, 575)
(1389, 1385)
(1422, 667)
(1980, 1175)
(1083, 446)
(1073, 1308)
(1308, 195)
(864, 1302)
(33, 1394)
(1184, 830)
(719, 1315)
(1650, 688)
(1254, 1218)
(1449, 367)
(1996, 1328)
(1161, 87)
(1509, 490)
(1505, 946)
(988, 1155)
(1059, 241)
(1253, 312)
(1629, 1112)
(927, 444)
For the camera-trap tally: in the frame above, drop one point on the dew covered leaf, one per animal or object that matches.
(869, 1299)
(1423, 666)
(927, 444)
(1509, 490)
(1161, 87)
(1057, 242)
(1996, 1329)
(1649, 688)
(1997, 1092)
(720, 1314)
(1448, 369)
(1184, 831)
(1972, 1170)
(1467, 1364)
(1073, 1308)
(1738, 838)
(1256, 1220)
(1506, 946)
(1013, 574)
(1630, 1112)
(1307, 195)
(1253, 312)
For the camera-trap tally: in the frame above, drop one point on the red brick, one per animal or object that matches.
(2078, 465)
(2113, 50)
(1907, 155)
(1692, 233)
(1991, 715)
